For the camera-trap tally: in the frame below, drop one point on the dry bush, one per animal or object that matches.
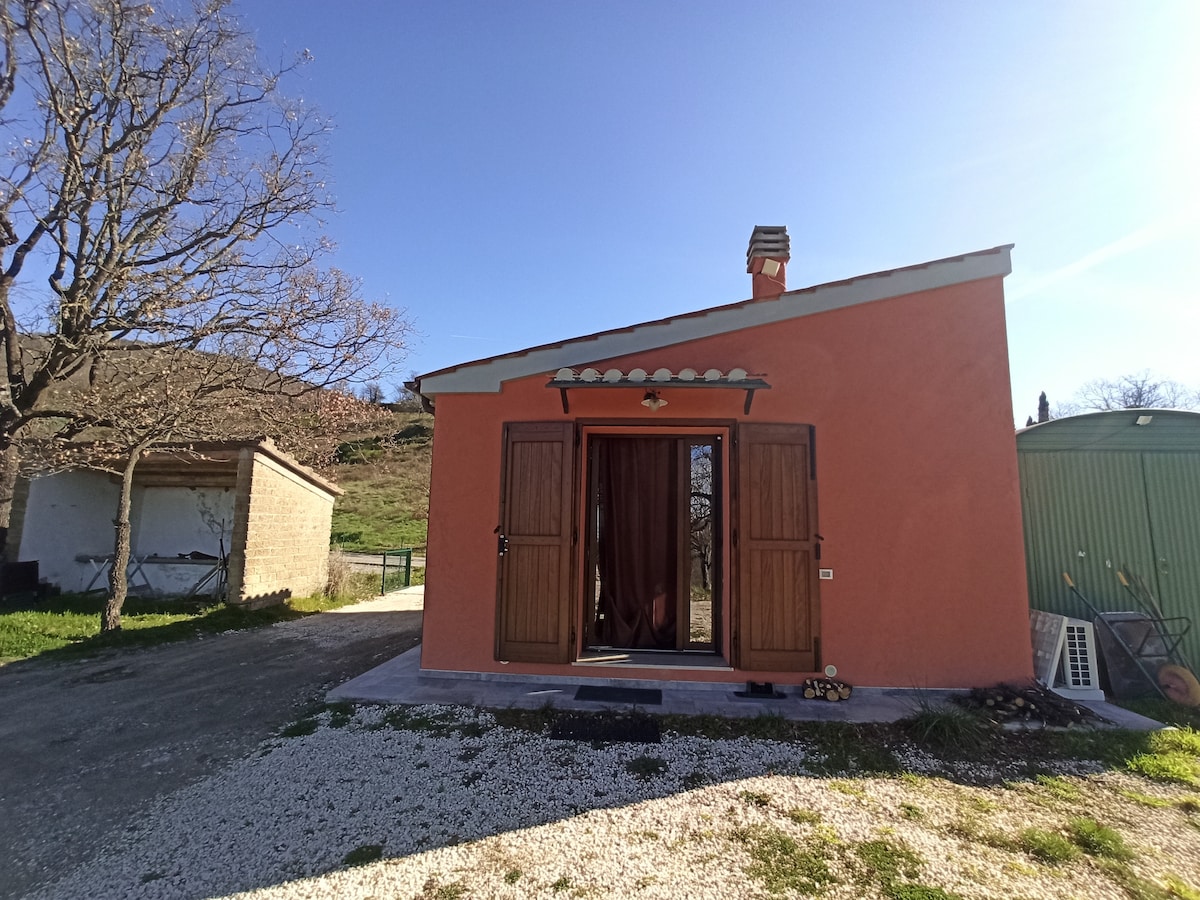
(339, 582)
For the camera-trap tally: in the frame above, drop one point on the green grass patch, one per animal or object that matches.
(1176, 768)
(1060, 788)
(386, 504)
(1182, 740)
(299, 728)
(848, 748)
(69, 625)
(1113, 747)
(340, 714)
(782, 864)
(804, 816)
(1134, 886)
(919, 892)
(755, 798)
(1095, 839)
(439, 724)
(434, 890)
(849, 788)
(1047, 846)
(888, 861)
(1171, 756)
(968, 828)
(1177, 887)
(1147, 800)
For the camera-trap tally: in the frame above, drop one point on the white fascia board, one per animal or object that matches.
(487, 376)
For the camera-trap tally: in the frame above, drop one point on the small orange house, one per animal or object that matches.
(752, 492)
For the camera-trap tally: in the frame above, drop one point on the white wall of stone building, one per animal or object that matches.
(175, 520)
(68, 514)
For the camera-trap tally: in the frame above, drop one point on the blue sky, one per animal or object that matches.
(514, 173)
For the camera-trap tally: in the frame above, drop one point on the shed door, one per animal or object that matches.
(534, 543)
(777, 612)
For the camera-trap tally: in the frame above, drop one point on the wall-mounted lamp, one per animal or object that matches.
(1144, 420)
(652, 401)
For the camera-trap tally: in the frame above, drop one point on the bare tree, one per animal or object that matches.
(163, 187)
(1142, 390)
(371, 392)
(141, 396)
(170, 196)
(700, 509)
(407, 398)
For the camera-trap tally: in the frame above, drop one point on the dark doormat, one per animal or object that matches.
(640, 696)
(632, 728)
(760, 690)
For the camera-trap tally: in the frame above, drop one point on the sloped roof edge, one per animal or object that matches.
(1117, 415)
(487, 375)
(182, 452)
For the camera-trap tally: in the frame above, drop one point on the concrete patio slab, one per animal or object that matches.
(401, 681)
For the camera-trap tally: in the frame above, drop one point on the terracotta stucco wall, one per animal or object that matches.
(917, 486)
(281, 534)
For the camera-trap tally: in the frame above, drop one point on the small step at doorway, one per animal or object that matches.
(633, 659)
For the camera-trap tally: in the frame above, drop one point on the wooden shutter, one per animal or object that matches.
(776, 551)
(533, 610)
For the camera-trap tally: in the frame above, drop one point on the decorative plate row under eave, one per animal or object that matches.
(737, 378)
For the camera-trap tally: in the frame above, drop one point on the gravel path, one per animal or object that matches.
(87, 746)
(448, 804)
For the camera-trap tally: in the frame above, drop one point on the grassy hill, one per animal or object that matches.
(386, 480)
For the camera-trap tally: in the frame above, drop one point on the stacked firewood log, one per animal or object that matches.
(825, 689)
(1006, 703)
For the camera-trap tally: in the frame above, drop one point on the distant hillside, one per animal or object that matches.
(386, 480)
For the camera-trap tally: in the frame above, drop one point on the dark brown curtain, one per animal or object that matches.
(637, 541)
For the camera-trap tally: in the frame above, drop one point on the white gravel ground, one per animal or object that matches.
(459, 807)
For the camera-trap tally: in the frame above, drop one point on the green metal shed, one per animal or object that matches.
(1110, 489)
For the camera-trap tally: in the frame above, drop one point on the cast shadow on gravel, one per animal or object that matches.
(356, 784)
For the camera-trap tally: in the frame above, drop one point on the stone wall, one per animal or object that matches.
(281, 525)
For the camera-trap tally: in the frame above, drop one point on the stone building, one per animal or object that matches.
(236, 519)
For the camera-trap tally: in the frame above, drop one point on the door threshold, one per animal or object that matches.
(603, 657)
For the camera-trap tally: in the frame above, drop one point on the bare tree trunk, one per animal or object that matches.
(118, 580)
(9, 467)
(12, 373)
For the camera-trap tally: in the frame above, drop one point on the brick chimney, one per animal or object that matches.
(767, 259)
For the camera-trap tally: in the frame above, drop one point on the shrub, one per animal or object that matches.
(948, 731)
(338, 582)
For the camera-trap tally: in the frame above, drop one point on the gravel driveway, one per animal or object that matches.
(88, 746)
(440, 803)
(165, 774)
